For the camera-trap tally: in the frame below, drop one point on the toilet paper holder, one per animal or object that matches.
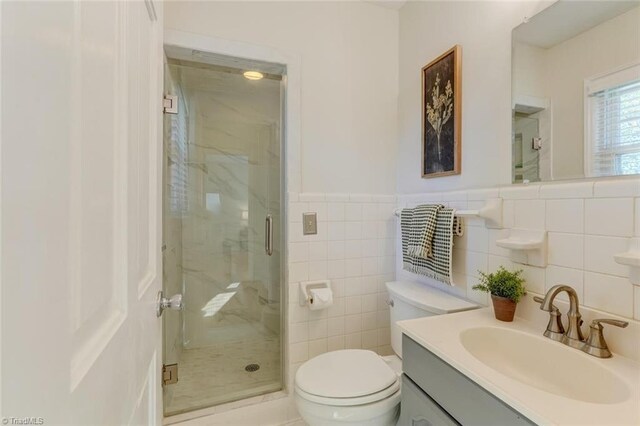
(305, 295)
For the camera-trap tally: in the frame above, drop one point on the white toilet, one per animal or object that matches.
(359, 387)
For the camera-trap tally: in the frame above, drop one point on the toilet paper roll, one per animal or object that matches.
(320, 298)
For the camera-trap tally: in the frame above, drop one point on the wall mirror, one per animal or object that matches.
(576, 92)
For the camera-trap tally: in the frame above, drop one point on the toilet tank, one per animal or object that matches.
(409, 300)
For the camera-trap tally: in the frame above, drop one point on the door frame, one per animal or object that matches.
(291, 149)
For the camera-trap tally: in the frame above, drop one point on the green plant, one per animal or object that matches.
(502, 283)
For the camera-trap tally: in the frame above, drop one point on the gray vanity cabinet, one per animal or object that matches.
(418, 409)
(434, 394)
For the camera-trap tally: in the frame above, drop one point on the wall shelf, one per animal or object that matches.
(520, 244)
(526, 246)
(631, 258)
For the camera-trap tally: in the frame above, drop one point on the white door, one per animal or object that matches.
(80, 170)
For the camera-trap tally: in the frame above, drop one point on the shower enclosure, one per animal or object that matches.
(222, 223)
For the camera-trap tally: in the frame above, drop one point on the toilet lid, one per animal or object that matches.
(347, 373)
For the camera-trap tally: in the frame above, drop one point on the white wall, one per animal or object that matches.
(604, 48)
(483, 29)
(578, 216)
(349, 55)
(529, 88)
(529, 76)
(349, 87)
(354, 248)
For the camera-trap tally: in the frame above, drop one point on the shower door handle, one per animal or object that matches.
(268, 235)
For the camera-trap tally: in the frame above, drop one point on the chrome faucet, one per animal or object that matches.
(573, 336)
(593, 345)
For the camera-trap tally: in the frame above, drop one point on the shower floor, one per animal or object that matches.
(216, 374)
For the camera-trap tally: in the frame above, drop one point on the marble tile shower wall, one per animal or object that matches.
(355, 249)
(587, 223)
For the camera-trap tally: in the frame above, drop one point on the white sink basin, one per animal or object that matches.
(546, 365)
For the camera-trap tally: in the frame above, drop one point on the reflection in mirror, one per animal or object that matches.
(576, 92)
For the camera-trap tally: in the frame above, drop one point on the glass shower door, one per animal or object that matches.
(224, 249)
(526, 158)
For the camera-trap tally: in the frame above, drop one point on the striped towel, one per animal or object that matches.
(439, 266)
(423, 228)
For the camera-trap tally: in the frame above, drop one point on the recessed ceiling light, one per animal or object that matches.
(253, 75)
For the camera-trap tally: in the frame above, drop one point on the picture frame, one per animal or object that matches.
(442, 115)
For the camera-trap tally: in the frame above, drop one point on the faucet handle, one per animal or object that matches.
(617, 323)
(555, 329)
(595, 344)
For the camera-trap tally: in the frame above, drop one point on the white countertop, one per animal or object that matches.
(440, 335)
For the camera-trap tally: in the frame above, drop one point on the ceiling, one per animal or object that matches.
(566, 19)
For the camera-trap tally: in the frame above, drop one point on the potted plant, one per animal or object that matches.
(506, 289)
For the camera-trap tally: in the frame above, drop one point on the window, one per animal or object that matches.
(613, 124)
(177, 153)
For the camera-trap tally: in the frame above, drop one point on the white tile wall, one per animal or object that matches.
(587, 224)
(529, 214)
(355, 249)
(565, 215)
(560, 275)
(358, 240)
(566, 249)
(520, 192)
(566, 190)
(609, 216)
(616, 188)
(599, 252)
(608, 293)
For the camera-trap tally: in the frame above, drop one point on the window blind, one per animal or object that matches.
(614, 133)
(177, 153)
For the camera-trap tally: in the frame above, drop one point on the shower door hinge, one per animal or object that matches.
(169, 374)
(170, 104)
(536, 144)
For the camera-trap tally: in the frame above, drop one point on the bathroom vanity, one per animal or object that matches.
(434, 393)
(468, 368)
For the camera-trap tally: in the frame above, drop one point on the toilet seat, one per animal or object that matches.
(346, 378)
(349, 402)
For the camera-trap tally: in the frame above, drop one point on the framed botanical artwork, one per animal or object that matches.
(441, 115)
